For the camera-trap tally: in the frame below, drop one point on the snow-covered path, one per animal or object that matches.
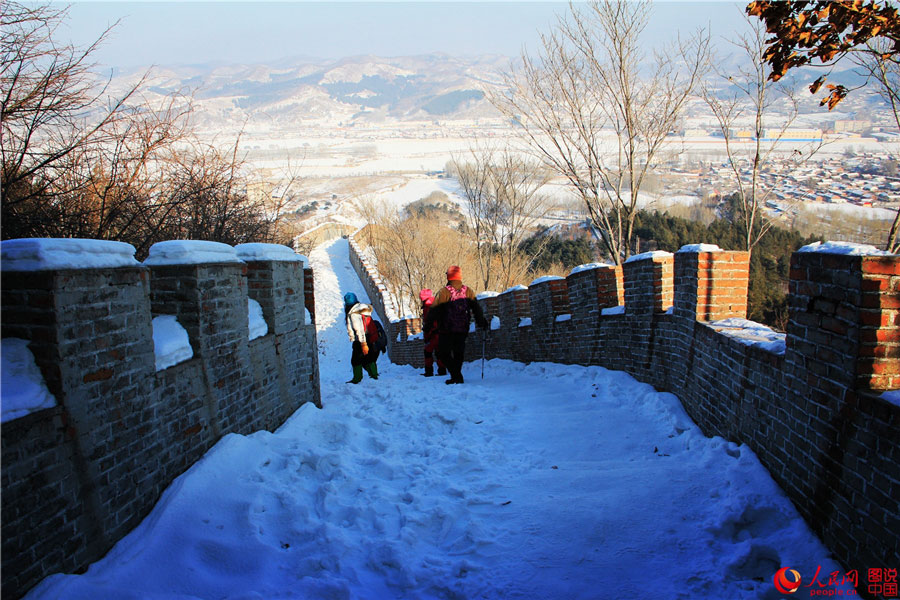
(542, 481)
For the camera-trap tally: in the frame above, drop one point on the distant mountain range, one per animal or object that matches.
(359, 89)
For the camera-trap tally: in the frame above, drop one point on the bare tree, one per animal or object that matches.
(597, 112)
(50, 103)
(209, 189)
(474, 181)
(821, 33)
(373, 211)
(877, 61)
(116, 188)
(503, 194)
(278, 198)
(78, 164)
(413, 252)
(754, 105)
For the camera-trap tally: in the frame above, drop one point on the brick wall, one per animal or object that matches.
(79, 476)
(811, 409)
(322, 233)
(383, 305)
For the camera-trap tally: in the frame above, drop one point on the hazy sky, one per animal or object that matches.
(164, 33)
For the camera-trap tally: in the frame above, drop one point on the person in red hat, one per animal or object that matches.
(430, 336)
(453, 309)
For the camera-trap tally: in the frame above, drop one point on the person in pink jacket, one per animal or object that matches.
(430, 336)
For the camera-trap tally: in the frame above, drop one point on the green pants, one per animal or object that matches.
(371, 368)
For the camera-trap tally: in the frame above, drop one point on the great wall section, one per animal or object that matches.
(810, 406)
(78, 476)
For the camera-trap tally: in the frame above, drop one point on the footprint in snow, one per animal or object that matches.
(378, 468)
(376, 445)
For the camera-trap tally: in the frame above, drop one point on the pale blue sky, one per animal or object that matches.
(164, 33)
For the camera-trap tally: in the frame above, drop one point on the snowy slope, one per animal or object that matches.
(337, 91)
(540, 481)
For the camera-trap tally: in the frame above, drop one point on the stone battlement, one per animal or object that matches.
(80, 475)
(810, 403)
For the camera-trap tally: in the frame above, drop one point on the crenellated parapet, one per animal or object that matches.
(490, 306)
(396, 328)
(124, 426)
(548, 298)
(845, 319)
(649, 285)
(596, 286)
(309, 293)
(711, 284)
(810, 402)
(513, 305)
(371, 280)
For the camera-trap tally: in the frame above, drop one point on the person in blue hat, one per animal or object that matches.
(359, 319)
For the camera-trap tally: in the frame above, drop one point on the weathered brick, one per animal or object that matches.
(793, 409)
(91, 339)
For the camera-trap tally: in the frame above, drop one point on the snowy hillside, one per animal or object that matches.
(412, 87)
(540, 481)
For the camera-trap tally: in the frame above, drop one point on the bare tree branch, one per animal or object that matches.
(503, 193)
(597, 111)
(766, 111)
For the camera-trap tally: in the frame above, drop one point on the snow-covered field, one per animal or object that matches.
(850, 210)
(538, 481)
(342, 157)
(419, 187)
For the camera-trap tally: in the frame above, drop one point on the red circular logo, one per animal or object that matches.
(784, 584)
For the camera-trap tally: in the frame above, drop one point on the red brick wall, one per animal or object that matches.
(813, 414)
(878, 364)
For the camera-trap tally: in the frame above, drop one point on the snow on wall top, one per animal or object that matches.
(699, 248)
(484, 295)
(588, 267)
(190, 252)
(847, 248)
(546, 278)
(40, 254)
(648, 255)
(514, 288)
(751, 333)
(275, 252)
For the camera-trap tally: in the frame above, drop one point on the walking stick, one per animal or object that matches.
(483, 341)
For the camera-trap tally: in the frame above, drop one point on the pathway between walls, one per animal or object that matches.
(539, 481)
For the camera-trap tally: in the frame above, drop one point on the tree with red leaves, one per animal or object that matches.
(808, 32)
(821, 32)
